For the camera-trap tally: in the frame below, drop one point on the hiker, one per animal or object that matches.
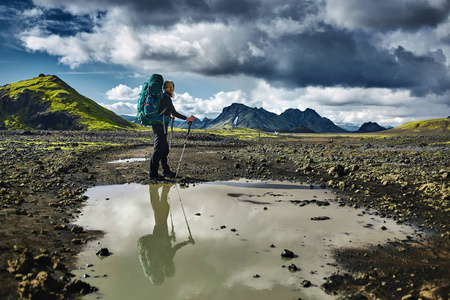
(161, 147)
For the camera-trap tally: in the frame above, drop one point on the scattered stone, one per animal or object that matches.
(287, 253)
(103, 252)
(43, 259)
(77, 241)
(293, 268)
(80, 287)
(22, 265)
(256, 276)
(77, 229)
(58, 266)
(306, 283)
(321, 218)
(43, 287)
(337, 171)
(61, 227)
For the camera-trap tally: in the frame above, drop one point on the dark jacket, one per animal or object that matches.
(166, 103)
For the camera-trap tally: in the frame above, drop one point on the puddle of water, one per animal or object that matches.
(128, 160)
(210, 241)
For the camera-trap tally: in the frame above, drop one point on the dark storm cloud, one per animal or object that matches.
(295, 43)
(337, 58)
(385, 15)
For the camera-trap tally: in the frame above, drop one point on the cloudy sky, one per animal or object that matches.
(353, 61)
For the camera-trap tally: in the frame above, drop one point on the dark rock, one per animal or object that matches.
(337, 282)
(293, 268)
(43, 259)
(80, 287)
(103, 252)
(77, 229)
(287, 254)
(337, 171)
(58, 266)
(22, 265)
(61, 227)
(306, 283)
(43, 287)
(77, 241)
(321, 218)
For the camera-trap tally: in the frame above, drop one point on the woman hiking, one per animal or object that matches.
(161, 146)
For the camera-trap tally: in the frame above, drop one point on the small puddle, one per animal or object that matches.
(128, 160)
(220, 240)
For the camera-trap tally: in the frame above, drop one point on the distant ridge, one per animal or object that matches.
(238, 115)
(46, 102)
(370, 127)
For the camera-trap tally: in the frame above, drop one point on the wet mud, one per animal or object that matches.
(404, 178)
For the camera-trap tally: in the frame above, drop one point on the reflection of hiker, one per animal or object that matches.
(155, 250)
(161, 147)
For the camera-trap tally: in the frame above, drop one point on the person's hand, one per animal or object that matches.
(190, 119)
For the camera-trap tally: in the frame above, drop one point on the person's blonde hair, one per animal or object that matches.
(168, 84)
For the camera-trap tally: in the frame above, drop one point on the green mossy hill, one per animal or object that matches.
(426, 126)
(47, 102)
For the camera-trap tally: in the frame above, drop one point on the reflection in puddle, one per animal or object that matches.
(156, 250)
(129, 160)
(220, 240)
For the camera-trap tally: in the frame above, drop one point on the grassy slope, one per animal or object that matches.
(424, 126)
(64, 98)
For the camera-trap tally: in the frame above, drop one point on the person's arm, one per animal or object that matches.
(167, 102)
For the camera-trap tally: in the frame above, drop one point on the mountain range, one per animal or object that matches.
(48, 103)
(291, 120)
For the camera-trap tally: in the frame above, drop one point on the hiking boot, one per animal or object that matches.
(170, 174)
(157, 176)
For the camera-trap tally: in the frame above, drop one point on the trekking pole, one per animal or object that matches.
(182, 208)
(170, 139)
(184, 146)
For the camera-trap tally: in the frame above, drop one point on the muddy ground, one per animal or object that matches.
(44, 174)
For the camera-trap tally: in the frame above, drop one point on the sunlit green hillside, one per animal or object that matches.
(431, 125)
(47, 102)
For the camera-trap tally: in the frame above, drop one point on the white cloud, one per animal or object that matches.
(212, 107)
(122, 108)
(341, 105)
(123, 93)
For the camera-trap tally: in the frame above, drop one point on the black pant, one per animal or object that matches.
(160, 150)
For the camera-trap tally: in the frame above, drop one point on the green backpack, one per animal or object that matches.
(148, 102)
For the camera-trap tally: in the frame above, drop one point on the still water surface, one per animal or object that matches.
(219, 240)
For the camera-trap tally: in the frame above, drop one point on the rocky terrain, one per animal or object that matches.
(45, 173)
